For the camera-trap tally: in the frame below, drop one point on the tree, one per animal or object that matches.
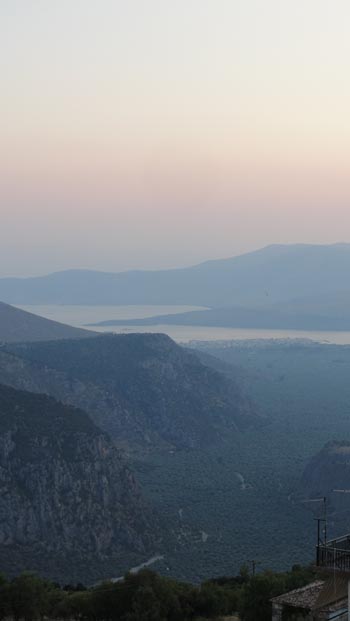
(28, 597)
(256, 595)
(4, 597)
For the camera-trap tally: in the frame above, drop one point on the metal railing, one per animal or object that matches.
(334, 554)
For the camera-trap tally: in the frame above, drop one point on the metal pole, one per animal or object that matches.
(254, 565)
(318, 543)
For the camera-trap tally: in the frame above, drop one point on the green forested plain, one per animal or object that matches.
(230, 505)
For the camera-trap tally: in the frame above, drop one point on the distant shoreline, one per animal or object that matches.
(79, 316)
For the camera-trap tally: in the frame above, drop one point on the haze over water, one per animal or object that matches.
(79, 316)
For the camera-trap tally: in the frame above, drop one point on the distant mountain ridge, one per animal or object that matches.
(331, 314)
(17, 326)
(262, 318)
(273, 274)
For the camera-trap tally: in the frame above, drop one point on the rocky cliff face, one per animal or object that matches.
(69, 507)
(327, 475)
(142, 389)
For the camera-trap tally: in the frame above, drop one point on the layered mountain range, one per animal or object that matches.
(292, 287)
(69, 503)
(142, 389)
(271, 275)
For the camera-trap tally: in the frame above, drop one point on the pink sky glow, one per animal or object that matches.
(159, 134)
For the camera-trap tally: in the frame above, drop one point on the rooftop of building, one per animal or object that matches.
(330, 594)
(305, 597)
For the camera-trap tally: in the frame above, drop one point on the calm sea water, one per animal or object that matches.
(81, 315)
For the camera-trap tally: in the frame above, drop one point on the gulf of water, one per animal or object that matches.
(79, 316)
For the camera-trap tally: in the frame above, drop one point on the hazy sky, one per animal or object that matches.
(157, 133)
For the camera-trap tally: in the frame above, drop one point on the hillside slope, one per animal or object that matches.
(17, 325)
(327, 475)
(273, 274)
(142, 389)
(69, 507)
